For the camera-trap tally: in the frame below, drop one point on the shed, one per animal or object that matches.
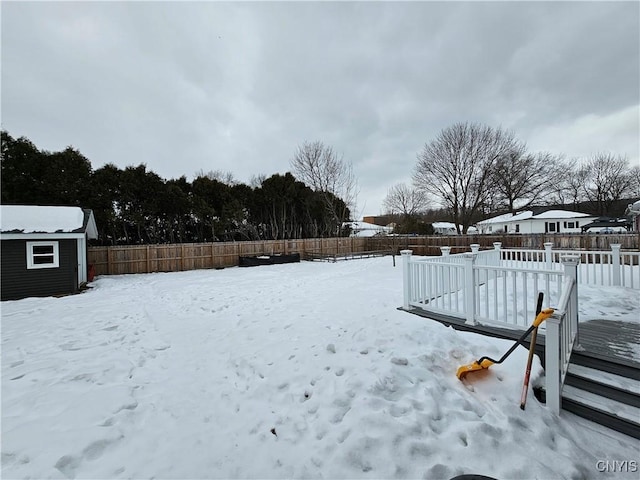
(44, 250)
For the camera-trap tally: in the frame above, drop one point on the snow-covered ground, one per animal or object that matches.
(287, 371)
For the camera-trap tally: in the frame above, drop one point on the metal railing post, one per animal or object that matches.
(406, 277)
(469, 289)
(615, 256)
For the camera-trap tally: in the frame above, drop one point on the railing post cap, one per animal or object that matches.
(445, 248)
(615, 246)
(406, 252)
(548, 244)
(555, 319)
(570, 259)
(497, 244)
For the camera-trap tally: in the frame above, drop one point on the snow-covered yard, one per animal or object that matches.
(287, 371)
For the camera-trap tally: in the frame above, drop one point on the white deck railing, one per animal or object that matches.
(476, 288)
(499, 287)
(599, 268)
(561, 336)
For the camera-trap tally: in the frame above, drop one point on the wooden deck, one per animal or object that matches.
(608, 340)
(611, 339)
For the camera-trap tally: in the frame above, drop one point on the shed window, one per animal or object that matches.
(42, 255)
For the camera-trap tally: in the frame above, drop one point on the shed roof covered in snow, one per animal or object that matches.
(46, 219)
(364, 229)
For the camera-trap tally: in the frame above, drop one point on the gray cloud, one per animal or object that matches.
(237, 86)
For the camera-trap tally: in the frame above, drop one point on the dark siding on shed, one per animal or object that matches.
(18, 282)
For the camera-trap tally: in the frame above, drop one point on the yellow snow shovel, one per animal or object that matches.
(485, 362)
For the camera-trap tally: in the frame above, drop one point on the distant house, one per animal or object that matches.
(549, 221)
(364, 229)
(44, 250)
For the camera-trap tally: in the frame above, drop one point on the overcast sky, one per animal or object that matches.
(184, 87)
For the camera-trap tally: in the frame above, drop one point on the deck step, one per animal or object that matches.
(615, 387)
(605, 411)
(616, 365)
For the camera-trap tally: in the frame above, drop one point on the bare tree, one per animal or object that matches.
(635, 181)
(521, 179)
(608, 179)
(321, 168)
(256, 180)
(456, 167)
(405, 200)
(223, 177)
(567, 184)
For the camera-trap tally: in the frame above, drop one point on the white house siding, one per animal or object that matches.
(552, 221)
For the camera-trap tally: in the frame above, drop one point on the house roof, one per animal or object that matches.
(562, 214)
(499, 219)
(443, 225)
(366, 226)
(529, 214)
(364, 229)
(47, 219)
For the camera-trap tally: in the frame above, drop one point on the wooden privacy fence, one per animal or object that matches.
(191, 256)
(123, 259)
(430, 245)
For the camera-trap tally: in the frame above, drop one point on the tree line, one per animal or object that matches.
(134, 205)
(475, 171)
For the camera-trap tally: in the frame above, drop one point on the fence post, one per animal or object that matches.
(469, 289)
(615, 256)
(109, 261)
(445, 251)
(475, 247)
(552, 364)
(406, 277)
(548, 256)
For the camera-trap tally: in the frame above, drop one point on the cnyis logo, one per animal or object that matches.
(617, 466)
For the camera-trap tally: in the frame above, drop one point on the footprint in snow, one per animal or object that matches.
(399, 361)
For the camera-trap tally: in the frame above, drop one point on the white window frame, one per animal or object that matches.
(30, 255)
